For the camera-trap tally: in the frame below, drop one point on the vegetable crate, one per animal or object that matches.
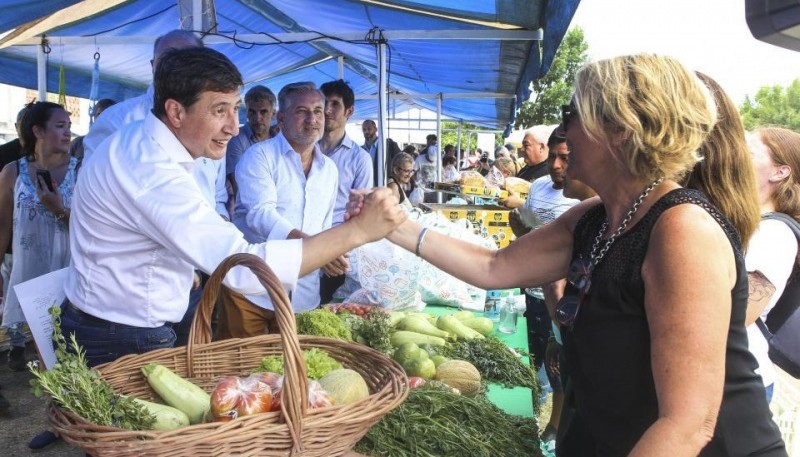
(295, 430)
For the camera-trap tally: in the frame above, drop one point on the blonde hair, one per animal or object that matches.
(507, 166)
(784, 149)
(725, 174)
(663, 112)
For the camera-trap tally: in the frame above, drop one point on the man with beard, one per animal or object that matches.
(260, 104)
(547, 202)
(354, 164)
(287, 190)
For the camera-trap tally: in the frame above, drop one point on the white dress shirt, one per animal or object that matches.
(275, 197)
(355, 172)
(209, 173)
(140, 226)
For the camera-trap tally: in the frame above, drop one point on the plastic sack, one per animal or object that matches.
(388, 274)
(416, 196)
(439, 288)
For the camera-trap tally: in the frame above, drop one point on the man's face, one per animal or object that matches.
(557, 160)
(206, 127)
(259, 116)
(531, 150)
(370, 131)
(303, 119)
(336, 115)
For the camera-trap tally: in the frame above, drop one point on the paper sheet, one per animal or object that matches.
(36, 297)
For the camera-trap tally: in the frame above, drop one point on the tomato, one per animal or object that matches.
(236, 396)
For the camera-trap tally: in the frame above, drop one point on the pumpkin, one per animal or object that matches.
(461, 375)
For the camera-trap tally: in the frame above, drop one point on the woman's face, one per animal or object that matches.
(403, 172)
(764, 166)
(56, 135)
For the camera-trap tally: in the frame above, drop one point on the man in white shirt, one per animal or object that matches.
(287, 190)
(425, 166)
(209, 173)
(353, 163)
(140, 224)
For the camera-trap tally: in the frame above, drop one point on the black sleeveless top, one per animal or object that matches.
(608, 351)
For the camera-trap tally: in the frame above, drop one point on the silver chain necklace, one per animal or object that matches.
(595, 257)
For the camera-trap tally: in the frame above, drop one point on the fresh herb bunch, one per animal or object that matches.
(495, 361)
(435, 422)
(372, 329)
(79, 389)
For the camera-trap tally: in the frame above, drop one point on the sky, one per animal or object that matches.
(706, 35)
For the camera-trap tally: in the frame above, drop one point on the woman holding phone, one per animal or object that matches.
(35, 195)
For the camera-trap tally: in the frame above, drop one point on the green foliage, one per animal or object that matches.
(773, 105)
(80, 389)
(468, 138)
(322, 322)
(318, 363)
(555, 88)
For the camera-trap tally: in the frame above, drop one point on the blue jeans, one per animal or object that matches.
(104, 341)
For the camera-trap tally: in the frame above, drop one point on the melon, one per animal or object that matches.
(345, 386)
(461, 375)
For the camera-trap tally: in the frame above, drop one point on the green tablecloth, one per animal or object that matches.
(518, 400)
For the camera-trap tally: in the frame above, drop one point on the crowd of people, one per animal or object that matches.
(640, 246)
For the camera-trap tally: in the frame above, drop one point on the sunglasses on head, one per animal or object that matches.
(567, 113)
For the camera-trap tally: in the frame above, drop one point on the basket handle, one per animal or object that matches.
(294, 395)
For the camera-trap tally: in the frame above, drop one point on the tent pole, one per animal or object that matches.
(439, 144)
(41, 71)
(458, 140)
(340, 61)
(197, 16)
(383, 128)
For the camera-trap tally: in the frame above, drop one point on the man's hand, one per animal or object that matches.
(515, 222)
(551, 356)
(375, 213)
(512, 201)
(338, 266)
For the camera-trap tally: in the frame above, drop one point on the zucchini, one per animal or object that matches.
(452, 325)
(178, 392)
(167, 417)
(421, 325)
(403, 336)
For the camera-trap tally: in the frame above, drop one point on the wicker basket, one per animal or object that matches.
(295, 430)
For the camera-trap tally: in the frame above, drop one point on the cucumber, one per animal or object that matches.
(402, 336)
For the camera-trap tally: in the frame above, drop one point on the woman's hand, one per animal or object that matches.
(52, 201)
(375, 212)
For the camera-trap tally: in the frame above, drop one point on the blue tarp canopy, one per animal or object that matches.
(478, 56)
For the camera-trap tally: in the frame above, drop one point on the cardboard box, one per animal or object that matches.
(489, 221)
(488, 192)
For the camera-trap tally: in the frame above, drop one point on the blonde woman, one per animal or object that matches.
(653, 313)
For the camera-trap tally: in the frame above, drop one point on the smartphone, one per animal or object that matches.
(44, 175)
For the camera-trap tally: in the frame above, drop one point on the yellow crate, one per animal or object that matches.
(489, 221)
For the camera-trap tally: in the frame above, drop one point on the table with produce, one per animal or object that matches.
(451, 357)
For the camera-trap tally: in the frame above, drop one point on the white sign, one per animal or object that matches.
(36, 297)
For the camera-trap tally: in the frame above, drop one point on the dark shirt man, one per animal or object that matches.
(534, 150)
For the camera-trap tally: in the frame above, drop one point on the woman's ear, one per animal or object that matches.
(38, 132)
(781, 172)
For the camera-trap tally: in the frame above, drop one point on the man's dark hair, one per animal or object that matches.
(556, 138)
(431, 137)
(340, 88)
(260, 94)
(183, 74)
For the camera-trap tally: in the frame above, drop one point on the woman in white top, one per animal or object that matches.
(38, 209)
(772, 254)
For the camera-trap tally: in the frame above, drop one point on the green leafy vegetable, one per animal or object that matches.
(435, 422)
(372, 330)
(494, 361)
(79, 389)
(318, 363)
(322, 322)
